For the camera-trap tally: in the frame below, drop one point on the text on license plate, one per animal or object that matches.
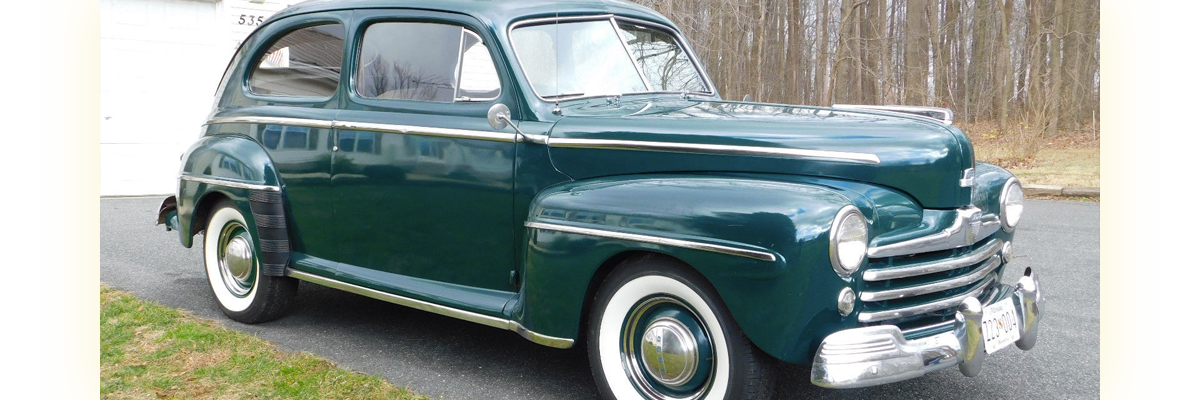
(1000, 327)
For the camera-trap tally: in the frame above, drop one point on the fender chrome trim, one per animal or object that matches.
(439, 309)
(686, 244)
(228, 183)
(781, 152)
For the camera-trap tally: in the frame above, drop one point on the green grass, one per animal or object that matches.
(149, 351)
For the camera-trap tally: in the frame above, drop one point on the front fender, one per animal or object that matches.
(782, 304)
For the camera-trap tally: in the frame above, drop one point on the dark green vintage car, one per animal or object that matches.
(567, 171)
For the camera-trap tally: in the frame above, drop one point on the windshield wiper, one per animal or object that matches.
(564, 95)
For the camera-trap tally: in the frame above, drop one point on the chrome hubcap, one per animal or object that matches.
(666, 351)
(669, 352)
(237, 260)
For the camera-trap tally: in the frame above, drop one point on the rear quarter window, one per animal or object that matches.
(305, 62)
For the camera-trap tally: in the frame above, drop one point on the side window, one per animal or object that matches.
(304, 63)
(433, 62)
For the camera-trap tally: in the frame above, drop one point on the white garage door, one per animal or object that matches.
(160, 62)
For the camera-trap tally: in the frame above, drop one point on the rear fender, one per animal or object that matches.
(237, 168)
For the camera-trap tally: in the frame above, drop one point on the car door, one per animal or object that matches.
(423, 184)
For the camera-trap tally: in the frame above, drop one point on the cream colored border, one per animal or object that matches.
(67, 198)
(1132, 102)
(1132, 107)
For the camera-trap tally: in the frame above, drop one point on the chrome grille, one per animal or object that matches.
(920, 292)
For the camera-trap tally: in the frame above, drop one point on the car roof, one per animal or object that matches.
(496, 13)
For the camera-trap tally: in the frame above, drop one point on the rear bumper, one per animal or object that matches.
(168, 214)
(877, 355)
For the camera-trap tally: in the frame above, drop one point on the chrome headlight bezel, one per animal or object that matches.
(844, 262)
(1011, 188)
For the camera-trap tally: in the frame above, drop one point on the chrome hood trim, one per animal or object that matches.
(970, 226)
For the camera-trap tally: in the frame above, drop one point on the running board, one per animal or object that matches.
(556, 342)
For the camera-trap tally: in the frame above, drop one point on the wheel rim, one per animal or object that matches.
(236, 259)
(666, 350)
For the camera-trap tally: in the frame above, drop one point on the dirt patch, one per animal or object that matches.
(1071, 158)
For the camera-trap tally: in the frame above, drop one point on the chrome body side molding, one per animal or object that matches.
(828, 155)
(481, 319)
(686, 244)
(305, 122)
(228, 183)
(373, 127)
(840, 156)
(426, 131)
(969, 227)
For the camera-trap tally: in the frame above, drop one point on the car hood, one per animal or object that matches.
(922, 158)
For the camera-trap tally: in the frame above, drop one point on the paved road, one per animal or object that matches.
(439, 356)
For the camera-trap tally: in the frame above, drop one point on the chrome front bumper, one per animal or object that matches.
(876, 355)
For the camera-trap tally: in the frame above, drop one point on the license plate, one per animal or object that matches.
(1000, 327)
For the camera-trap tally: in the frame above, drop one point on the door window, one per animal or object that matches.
(424, 62)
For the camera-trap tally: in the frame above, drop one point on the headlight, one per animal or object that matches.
(1012, 204)
(848, 240)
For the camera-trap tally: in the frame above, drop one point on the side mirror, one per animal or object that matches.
(499, 117)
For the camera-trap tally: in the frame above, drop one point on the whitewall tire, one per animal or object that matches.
(658, 332)
(235, 273)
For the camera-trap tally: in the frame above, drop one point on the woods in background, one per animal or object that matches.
(1032, 63)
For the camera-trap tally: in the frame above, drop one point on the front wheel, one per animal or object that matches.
(231, 262)
(657, 331)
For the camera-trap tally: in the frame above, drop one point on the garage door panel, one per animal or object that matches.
(160, 64)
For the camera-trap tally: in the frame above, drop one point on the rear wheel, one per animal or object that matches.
(657, 331)
(234, 272)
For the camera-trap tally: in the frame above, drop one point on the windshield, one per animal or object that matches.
(600, 57)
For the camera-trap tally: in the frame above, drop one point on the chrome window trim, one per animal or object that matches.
(674, 34)
(974, 257)
(682, 44)
(970, 226)
(458, 68)
(422, 305)
(629, 52)
(686, 244)
(839, 156)
(867, 317)
(228, 183)
(946, 284)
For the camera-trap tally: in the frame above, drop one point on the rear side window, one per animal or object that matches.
(304, 63)
(424, 62)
